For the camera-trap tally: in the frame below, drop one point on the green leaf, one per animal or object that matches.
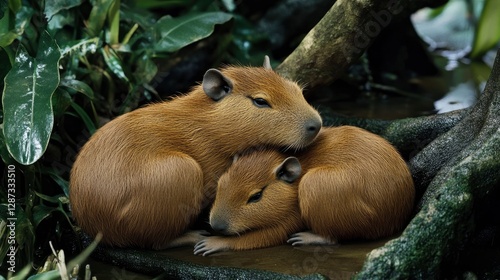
(25, 234)
(4, 153)
(9, 32)
(6, 64)
(61, 100)
(64, 184)
(48, 275)
(85, 117)
(59, 20)
(98, 16)
(145, 70)
(22, 274)
(3, 8)
(81, 47)
(41, 212)
(487, 33)
(165, 4)
(114, 63)
(114, 22)
(27, 104)
(15, 5)
(176, 33)
(78, 86)
(53, 199)
(52, 7)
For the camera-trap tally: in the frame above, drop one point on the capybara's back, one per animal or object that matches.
(355, 186)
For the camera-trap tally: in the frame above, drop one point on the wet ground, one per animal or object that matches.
(335, 262)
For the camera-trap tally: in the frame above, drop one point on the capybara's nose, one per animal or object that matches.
(219, 226)
(312, 127)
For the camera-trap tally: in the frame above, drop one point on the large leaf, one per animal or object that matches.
(176, 33)
(12, 26)
(98, 16)
(488, 29)
(27, 106)
(4, 153)
(78, 86)
(52, 7)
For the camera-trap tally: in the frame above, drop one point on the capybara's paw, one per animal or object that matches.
(210, 245)
(309, 238)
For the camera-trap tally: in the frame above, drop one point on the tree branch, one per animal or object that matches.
(341, 37)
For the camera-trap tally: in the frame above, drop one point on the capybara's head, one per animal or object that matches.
(256, 192)
(262, 106)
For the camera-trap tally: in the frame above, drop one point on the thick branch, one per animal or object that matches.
(341, 37)
(408, 135)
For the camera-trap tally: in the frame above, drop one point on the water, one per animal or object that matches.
(453, 89)
(336, 262)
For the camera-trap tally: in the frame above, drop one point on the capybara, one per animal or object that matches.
(348, 184)
(143, 178)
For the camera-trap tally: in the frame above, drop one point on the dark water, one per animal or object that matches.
(456, 88)
(336, 262)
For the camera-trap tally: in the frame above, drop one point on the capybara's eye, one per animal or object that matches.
(255, 197)
(261, 103)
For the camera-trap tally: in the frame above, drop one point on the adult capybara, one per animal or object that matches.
(143, 178)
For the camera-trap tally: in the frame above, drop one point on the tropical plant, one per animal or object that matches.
(65, 66)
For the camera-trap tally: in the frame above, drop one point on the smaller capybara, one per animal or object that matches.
(143, 178)
(348, 184)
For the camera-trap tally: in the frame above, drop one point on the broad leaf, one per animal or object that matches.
(4, 153)
(52, 7)
(27, 106)
(176, 33)
(12, 26)
(98, 16)
(487, 32)
(59, 20)
(78, 86)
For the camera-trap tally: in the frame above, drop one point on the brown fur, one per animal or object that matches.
(143, 178)
(253, 223)
(355, 185)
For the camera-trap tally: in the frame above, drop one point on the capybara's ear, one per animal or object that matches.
(216, 85)
(289, 170)
(267, 63)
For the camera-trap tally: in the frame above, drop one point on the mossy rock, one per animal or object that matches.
(460, 173)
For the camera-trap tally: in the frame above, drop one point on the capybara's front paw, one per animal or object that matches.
(309, 238)
(210, 245)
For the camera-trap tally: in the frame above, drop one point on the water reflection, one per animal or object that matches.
(335, 262)
(462, 96)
